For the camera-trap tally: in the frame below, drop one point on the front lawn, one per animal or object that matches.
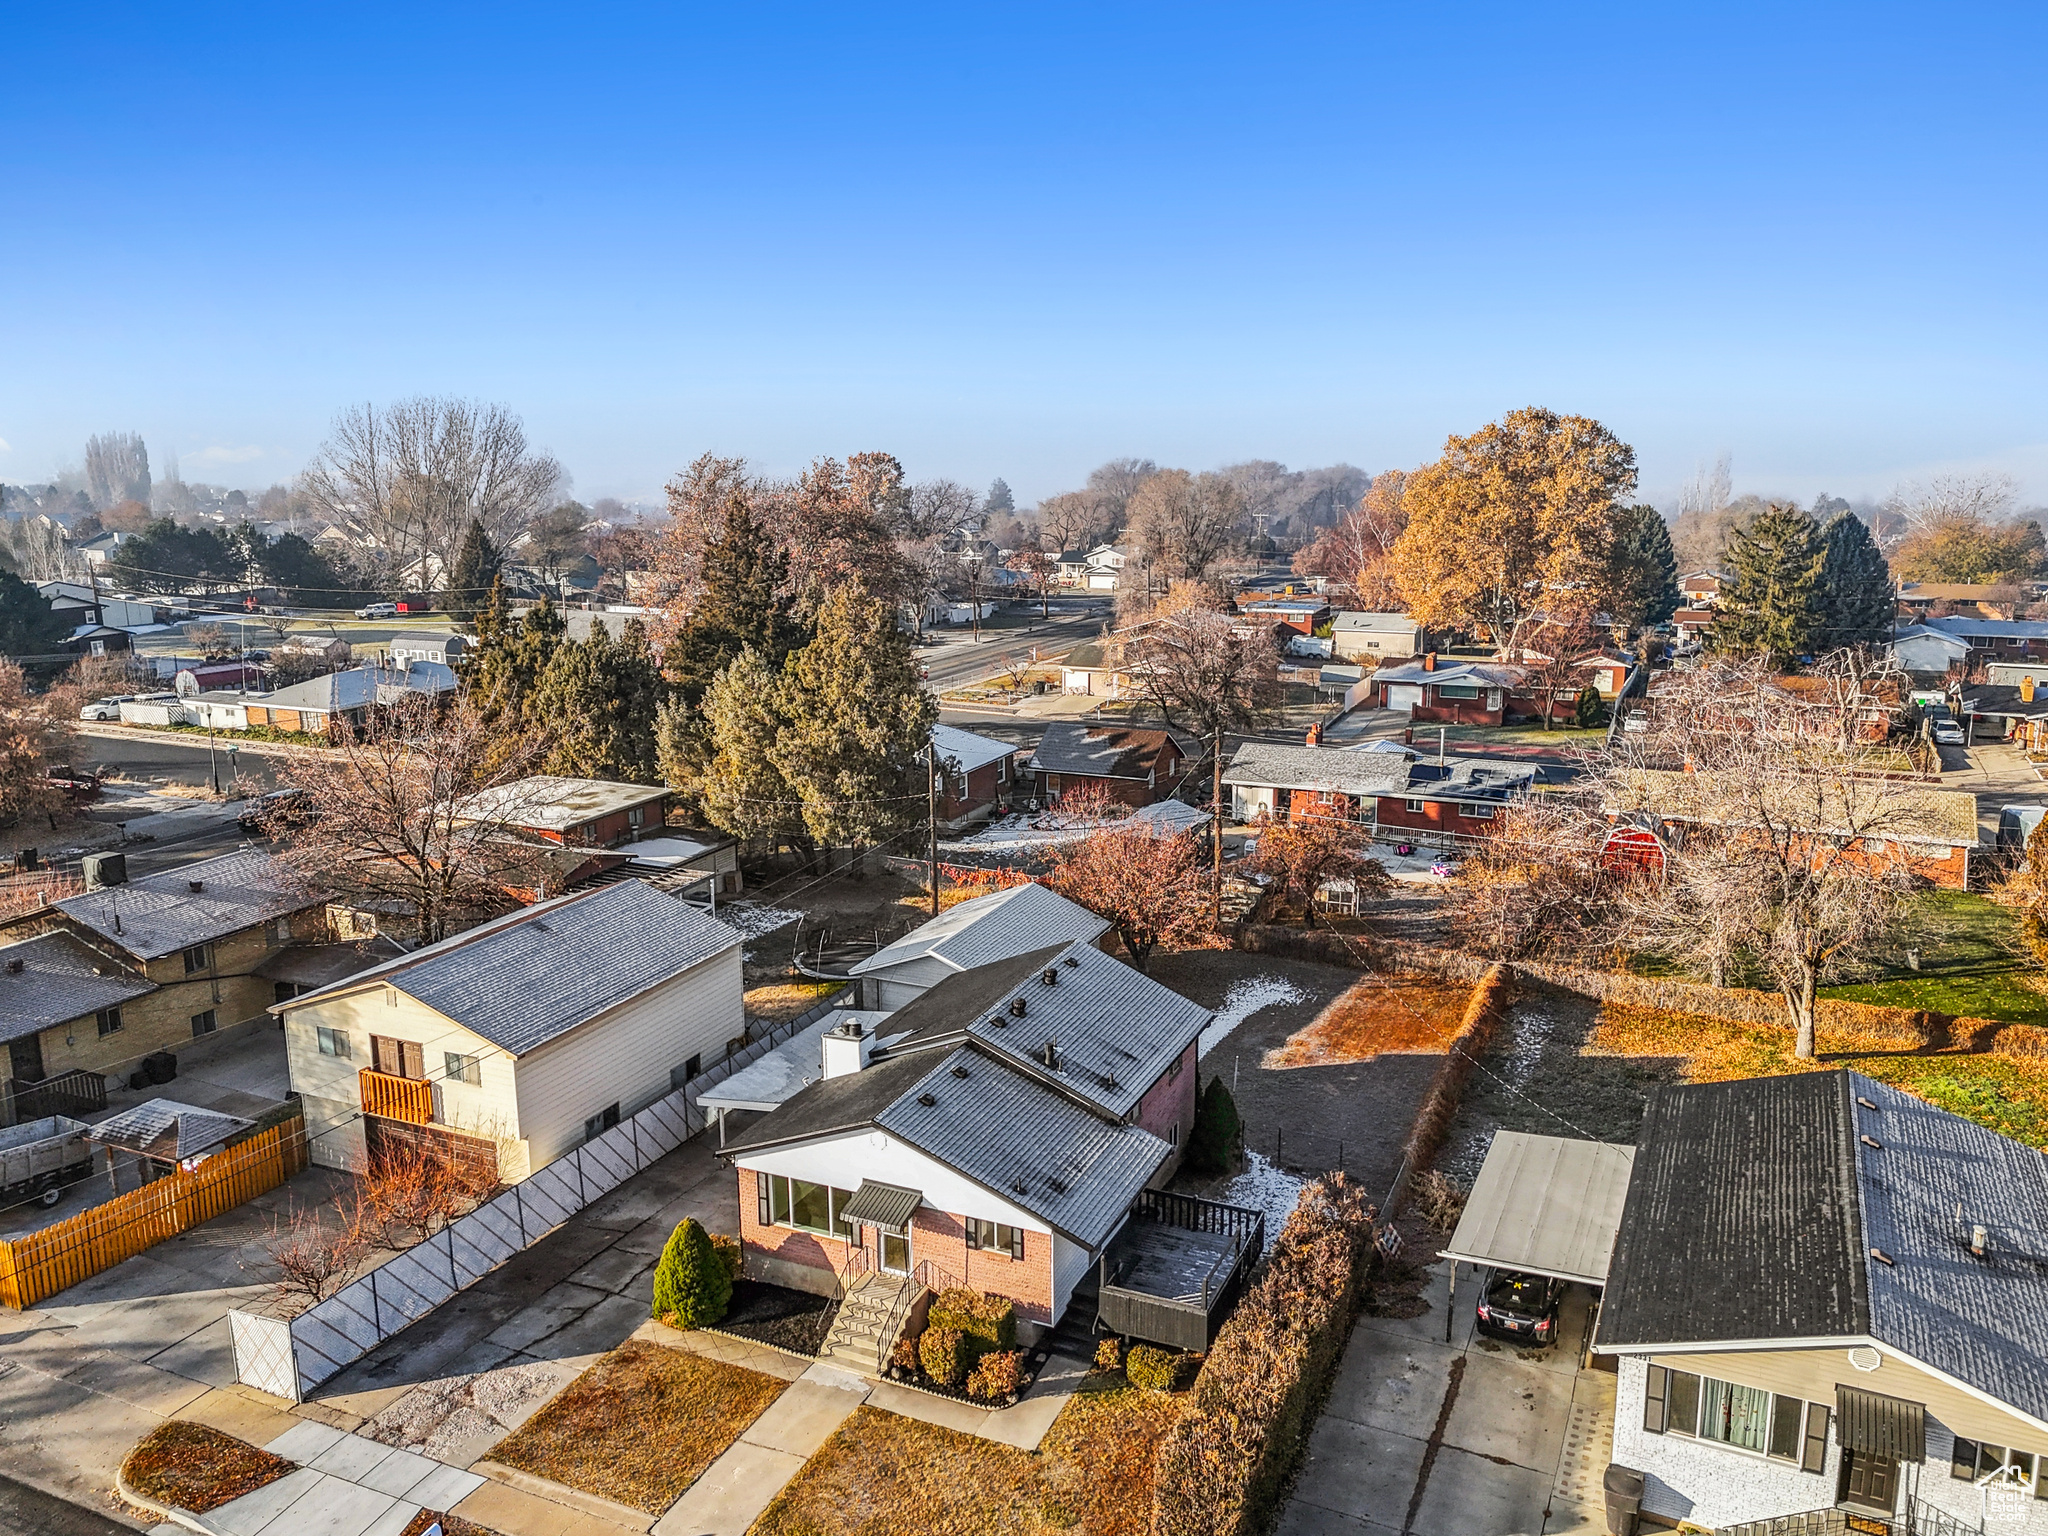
(2008, 1096)
(881, 1475)
(641, 1425)
(1970, 964)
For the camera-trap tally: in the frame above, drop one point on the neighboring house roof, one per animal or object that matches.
(1833, 806)
(1992, 629)
(1487, 674)
(990, 928)
(1929, 633)
(1164, 816)
(1091, 657)
(167, 1130)
(318, 965)
(358, 687)
(2002, 699)
(554, 803)
(1071, 557)
(1331, 770)
(410, 638)
(61, 978)
(1756, 1211)
(161, 914)
(782, 1072)
(1390, 623)
(967, 749)
(1104, 751)
(534, 975)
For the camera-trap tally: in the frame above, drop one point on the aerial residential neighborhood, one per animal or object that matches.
(1262, 772)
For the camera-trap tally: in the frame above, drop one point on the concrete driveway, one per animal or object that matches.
(1424, 1438)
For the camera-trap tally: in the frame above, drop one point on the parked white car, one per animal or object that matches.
(1949, 734)
(105, 709)
(378, 611)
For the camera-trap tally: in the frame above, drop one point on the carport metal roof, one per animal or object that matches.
(1547, 1205)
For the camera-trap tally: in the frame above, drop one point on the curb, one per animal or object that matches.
(170, 1512)
(593, 1504)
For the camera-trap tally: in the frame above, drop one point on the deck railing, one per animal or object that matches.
(1919, 1519)
(397, 1098)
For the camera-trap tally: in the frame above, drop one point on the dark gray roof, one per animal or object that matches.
(1741, 1220)
(1104, 751)
(167, 1130)
(1075, 1171)
(985, 929)
(536, 974)
(1982, 1321)
(320, 965)
(61, 978)
(161, 914)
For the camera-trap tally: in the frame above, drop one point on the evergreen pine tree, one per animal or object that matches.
(512, 656)
(601, 696)
(1857, 600)
(474, 574)
(1771, 605)
(1643, 570)
(999, 499)
(1213, 1142)
(739, 603)
(741, 784)
(859, 718)
(692, 1282)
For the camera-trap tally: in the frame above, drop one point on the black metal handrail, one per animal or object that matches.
(1918, 1519)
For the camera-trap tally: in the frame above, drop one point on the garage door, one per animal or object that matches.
(1404, 695)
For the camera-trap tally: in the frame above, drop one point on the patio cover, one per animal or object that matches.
(167, 1131)
(1546, 1205)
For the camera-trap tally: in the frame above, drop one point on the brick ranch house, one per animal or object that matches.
(1459, 693)
(1392, 792)
(1136, 767)
(976, 773)
(1930, 836)
(998, 1141)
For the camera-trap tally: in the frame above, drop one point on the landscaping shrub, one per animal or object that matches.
(1156, 1370)
(692, 1284)
(996, 1376)
(947, 1354)
(1213, 1143)
(2025, 1042)
(1109, 1354)
(1588, 711)
(1439, 1200)
(731, 1251)
(1219, 1471)
(904, 1356)
(991, 1319)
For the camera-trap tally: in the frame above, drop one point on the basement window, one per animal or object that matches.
(108, 1020)
(203, 1023)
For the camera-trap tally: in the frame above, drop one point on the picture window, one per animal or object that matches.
(809, 1207)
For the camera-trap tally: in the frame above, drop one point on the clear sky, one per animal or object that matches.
(1019, 240)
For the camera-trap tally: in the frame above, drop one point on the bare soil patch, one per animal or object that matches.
(197, 1468)
(1376, 1016)
(774, 1314)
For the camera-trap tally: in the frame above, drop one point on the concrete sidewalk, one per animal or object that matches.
(734, 1489)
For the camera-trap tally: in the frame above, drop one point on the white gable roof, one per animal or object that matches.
(990, 928)
(967, 749)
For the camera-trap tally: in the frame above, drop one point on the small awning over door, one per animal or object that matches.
(887, 1206)
(1545, 1205)
(1880, 1425)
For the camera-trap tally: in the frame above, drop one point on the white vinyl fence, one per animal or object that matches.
(289, 1357)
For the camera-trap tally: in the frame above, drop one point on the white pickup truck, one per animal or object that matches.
(40, 1158)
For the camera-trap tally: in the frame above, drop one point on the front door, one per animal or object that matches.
(892, 1252)
(1869, 1482)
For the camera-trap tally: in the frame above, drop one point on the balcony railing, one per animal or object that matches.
(397, 1098)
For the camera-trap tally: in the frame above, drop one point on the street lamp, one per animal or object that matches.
(971, 556)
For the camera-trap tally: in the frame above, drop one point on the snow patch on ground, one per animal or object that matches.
(1246, 998)
(1263, 1187)
(1019, 831)
(755, 921)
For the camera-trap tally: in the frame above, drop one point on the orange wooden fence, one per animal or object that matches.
(66, 1252)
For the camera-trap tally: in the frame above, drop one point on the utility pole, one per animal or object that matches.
(931, 781)
(1216, 825)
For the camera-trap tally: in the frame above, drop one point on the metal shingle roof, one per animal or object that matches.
(991, 928)
(60, 979)
(1073, 1170)
(537, 974)
(161, 914)
(967, 749)
(1334, 770)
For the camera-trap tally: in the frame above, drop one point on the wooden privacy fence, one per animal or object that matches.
(45, 1262)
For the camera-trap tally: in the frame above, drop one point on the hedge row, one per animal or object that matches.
(1485, 1010)
(1219, 1471)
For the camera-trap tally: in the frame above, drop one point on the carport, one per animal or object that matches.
(1544, 1205)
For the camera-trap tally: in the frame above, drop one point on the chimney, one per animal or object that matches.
(1315, 734)
(1980, 1240)
(844, 1048)
(1429, 661)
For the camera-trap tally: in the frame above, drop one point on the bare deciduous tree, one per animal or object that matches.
(116, 469)
(1116, 482)
(1075, 519)
(1975, 498)
(1185, 522)
(314, 1256)
(414, 475)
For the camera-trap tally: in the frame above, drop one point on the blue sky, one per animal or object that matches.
(1020, 240)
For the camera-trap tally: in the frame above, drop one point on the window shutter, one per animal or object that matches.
(761, 1191)
(1815, 1454)
(1017, 1242)
(1654, 1393)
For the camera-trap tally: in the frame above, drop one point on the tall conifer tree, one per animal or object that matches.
(1771, 606)
(740, 602)
(1857, 599)
(1642, 571)
(473, 575)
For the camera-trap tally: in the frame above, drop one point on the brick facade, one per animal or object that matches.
(1168, 1110)
(1438, 817)
(1131, 792)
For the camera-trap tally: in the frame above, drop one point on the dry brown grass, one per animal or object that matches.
(640, 1425)
(1375, 1016)
(785, 1000)
(881, 1475)
(197, 1468)
(451, 1525)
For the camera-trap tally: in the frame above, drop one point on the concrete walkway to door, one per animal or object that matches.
(1424, 1438)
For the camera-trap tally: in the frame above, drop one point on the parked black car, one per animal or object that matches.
(1521, 1307)
(287, 807)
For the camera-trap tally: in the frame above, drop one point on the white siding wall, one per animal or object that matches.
(906, 982)
(625, 1056)
(845, 1160)
(332, 1088)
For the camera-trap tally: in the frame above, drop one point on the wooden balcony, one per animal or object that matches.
(397, 1098)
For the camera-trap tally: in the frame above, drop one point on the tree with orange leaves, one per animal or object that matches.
(1304, 854)
(1150, 888)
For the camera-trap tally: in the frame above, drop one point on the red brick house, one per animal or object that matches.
(1136, 767)
(998, 1139)
(578, 813)
(976, 773)
(1459, 692)
(1396, 793)
(1303, 615)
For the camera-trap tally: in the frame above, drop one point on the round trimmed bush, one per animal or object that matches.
(693, 1281)
(1156, 1370)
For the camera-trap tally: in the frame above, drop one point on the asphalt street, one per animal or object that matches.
(26, 1512)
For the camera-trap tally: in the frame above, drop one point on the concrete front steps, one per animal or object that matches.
(880, 1303)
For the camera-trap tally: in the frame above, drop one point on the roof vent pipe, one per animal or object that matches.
(195, 886)
(1052, 976)
(1017, 1007)
(1980, 1240)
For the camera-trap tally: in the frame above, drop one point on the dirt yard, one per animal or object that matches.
(1376, 1016)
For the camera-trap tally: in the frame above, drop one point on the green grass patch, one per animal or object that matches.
(1969, 964)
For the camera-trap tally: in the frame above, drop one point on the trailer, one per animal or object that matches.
(40, 1158)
